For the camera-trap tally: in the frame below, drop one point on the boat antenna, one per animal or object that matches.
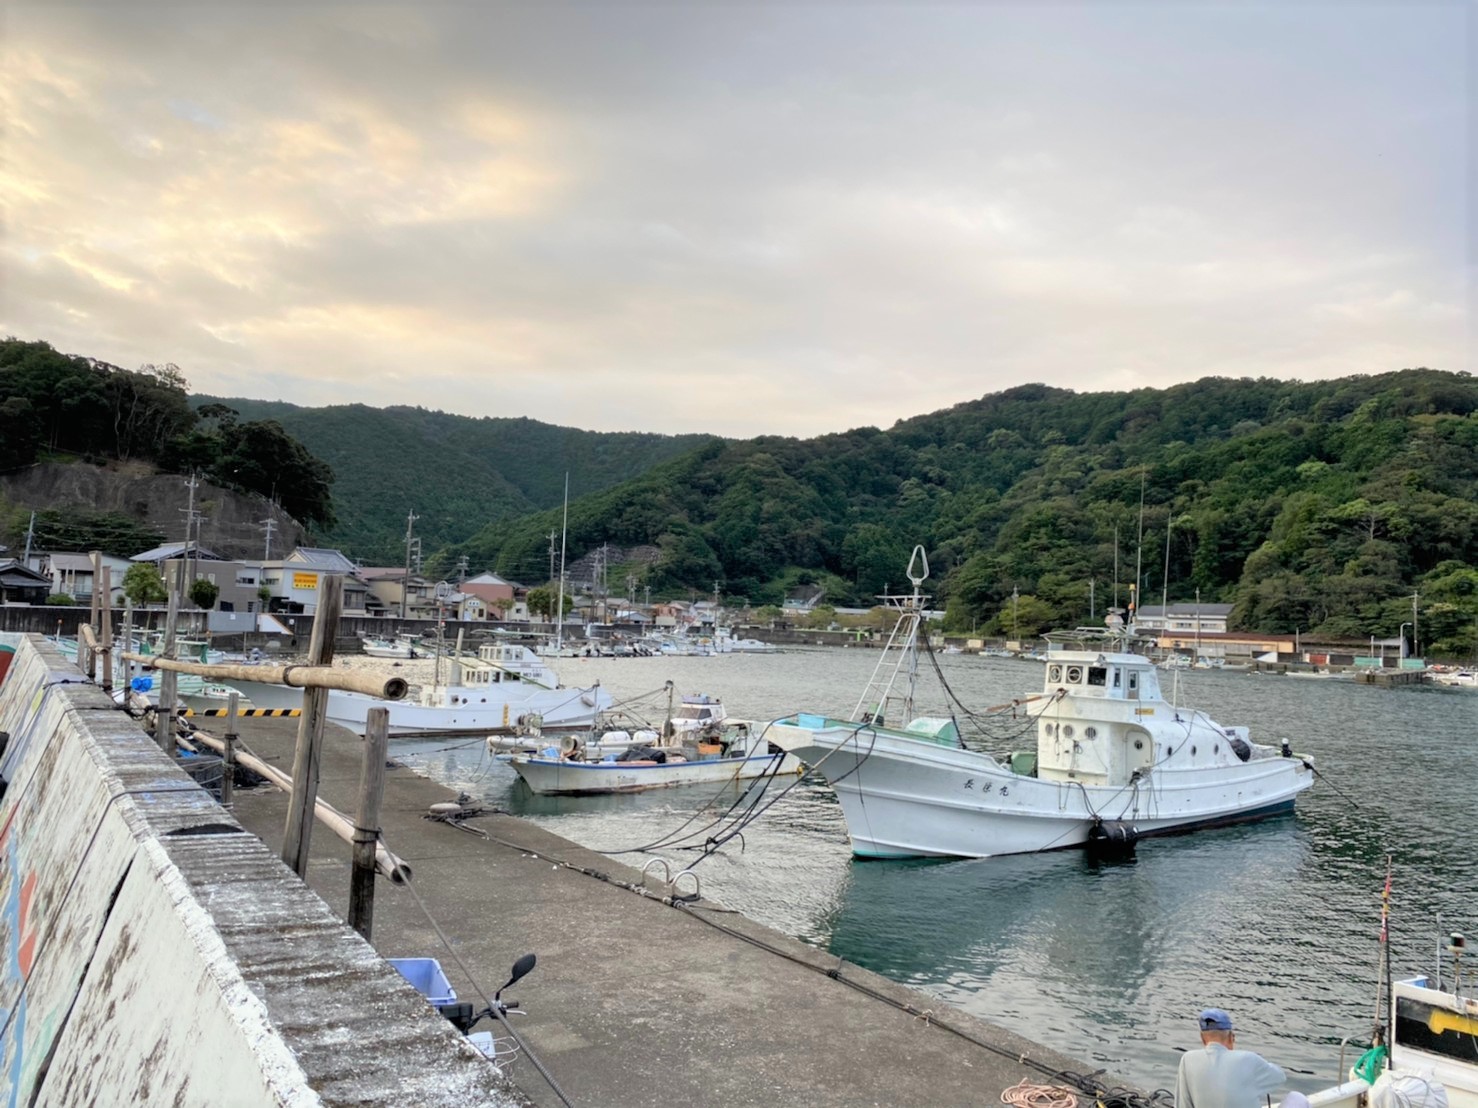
(1139, 542)
(918, 573)
(564, 529)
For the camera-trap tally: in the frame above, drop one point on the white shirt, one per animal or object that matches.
(1215, 1077)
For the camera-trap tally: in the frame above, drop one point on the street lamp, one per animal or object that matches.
(1402, 655)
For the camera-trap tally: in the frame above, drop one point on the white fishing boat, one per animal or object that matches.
(1113, 761)
(503, 685)
(386, 648)
(1456, 678)
(1430, 1029)
(734, 750)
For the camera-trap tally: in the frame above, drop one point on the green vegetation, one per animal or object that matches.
(60, 600)
(54, 404)
(1316, 506)
(203, 593)
(456, 473)
(143, 585)
(76, 529)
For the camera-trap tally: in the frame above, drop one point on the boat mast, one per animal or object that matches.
(559, 618)
(917, 576)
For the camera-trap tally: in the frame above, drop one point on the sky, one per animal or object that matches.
(744, 219)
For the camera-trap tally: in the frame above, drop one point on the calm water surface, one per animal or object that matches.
(1277, 922)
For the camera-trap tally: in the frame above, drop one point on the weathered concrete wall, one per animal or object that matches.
(155, 952)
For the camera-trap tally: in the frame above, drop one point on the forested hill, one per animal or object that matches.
(1318, 506)
(457, 473)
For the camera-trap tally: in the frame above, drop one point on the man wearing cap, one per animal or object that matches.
(1221, 1076)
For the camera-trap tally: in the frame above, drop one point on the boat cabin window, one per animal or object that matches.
(1133, 682)
(1054, 674)
(1098, 675)
(1074, 675)
(1116, 677)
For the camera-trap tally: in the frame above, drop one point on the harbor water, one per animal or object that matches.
(1278, 922)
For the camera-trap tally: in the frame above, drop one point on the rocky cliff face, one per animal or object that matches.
(233, 524)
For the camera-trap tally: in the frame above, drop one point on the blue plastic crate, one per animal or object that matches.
(425, 974)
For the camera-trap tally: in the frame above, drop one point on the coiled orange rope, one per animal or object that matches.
(1026, 1095)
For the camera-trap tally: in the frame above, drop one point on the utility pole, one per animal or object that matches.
(1416, 648)
(405, 584)
(189, 511)
(551, 554)
(1015, 597)
(271, 525)
(461, 571)
(1090, 601)
(30, 534)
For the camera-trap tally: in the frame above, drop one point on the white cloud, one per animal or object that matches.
(744, 220)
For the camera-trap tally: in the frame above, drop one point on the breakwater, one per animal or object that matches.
(156, 952)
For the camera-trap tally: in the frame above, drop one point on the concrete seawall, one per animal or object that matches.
(155, 952)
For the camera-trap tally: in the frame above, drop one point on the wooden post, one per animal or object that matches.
(105, 575)
(367, 821)
(164, 704)
(91, 668)
(127, 636)
(298, 834)
(228, 755)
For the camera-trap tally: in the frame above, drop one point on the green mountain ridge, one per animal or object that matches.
(1320, 506)
(457, 473)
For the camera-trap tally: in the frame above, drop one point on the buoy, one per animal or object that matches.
(1112, 839)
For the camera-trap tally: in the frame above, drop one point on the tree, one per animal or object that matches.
(60, 600)
(543, 601)
(143, 585)
(204, 593)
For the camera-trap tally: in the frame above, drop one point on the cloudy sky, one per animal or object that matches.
(742, 218)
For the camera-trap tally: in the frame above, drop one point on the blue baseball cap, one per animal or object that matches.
(1214, 1019)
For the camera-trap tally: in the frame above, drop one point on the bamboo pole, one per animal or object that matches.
(367, 821)
(297, 836)
(388, 864)
(295, 677)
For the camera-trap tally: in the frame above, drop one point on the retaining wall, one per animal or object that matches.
(155, 952)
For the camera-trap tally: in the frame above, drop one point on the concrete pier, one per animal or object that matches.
(635, 1002)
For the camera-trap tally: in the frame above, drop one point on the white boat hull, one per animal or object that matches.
(464, 710)
(905, 797)
(557, 777)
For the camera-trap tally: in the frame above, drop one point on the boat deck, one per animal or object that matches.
(634, 1002)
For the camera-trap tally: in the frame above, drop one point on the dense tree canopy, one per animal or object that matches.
(55, 404)
(1318, 506)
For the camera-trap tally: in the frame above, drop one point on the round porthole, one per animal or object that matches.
(1074, 675)
(1090, 732)
(1051, 728)
(1138, 744)
(1054, 673)
(1193, 752)
(1067, 730)
(1216, 749)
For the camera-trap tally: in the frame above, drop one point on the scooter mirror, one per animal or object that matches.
(520, 969)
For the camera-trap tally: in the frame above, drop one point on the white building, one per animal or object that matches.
(1208, 619)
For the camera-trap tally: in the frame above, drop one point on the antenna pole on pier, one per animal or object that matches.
(367, 821)
(102, 577)
(228, 754)
(298, 835)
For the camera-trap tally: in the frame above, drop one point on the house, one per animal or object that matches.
(388, 586)
(19, 585)
(71, 573)
(494, 595)
(1207, 618)
(804, 599)
(293, 581)
(161, 554)
(237, 583)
